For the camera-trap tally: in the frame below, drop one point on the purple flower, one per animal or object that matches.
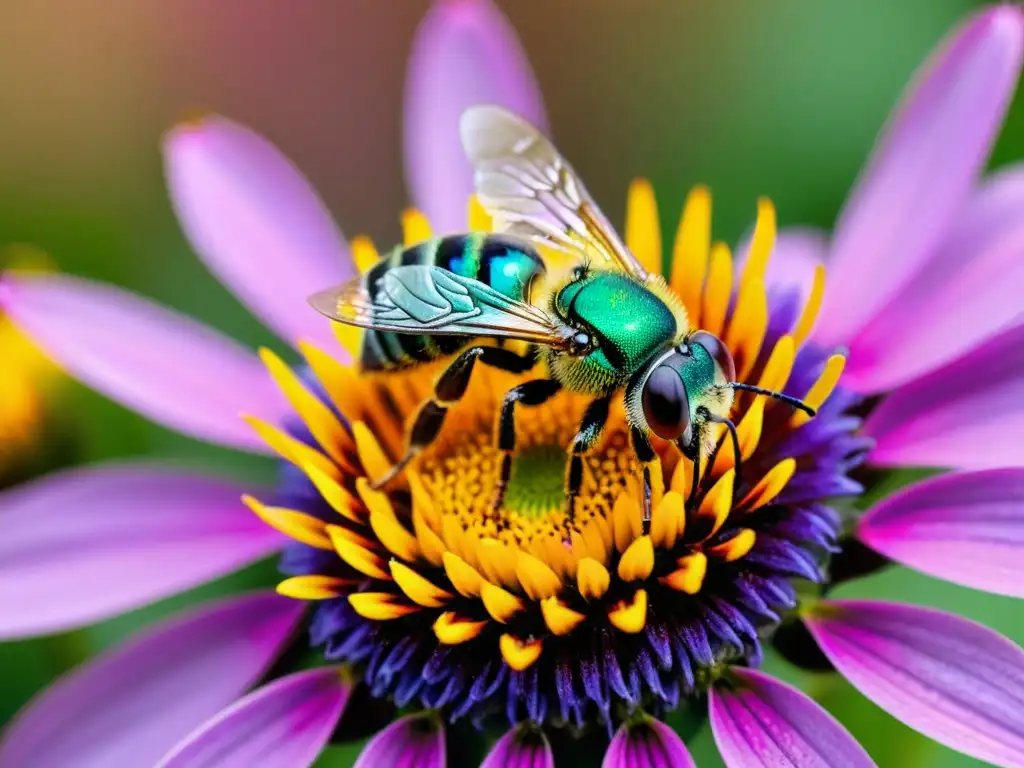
(433, 600)
(649, 743)
(293, 717)
(759, 721)
(413, 740)
(525, 746)
(133, 703)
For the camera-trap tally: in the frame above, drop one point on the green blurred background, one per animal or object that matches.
(750, 97)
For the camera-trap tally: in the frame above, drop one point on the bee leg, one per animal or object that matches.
(690, 448)
(645, 455)
(695, 458)
(586, 438)
(448, 390)
(737, 452)
(531, 393)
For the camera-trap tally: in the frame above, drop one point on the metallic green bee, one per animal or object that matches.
(600, 331)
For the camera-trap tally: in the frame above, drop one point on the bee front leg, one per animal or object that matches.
(589, 433)
(533, 392)
(645, 455)
(448, 390)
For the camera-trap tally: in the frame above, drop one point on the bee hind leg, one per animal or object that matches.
(449, 388)
(591, 427)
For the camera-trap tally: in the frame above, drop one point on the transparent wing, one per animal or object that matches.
(433, 301)
(531, 191)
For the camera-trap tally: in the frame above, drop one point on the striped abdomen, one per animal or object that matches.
(505, 264)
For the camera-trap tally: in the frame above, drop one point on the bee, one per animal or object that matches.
(606, 327)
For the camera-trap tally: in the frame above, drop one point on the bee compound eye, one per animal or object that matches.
(716, 348)
(665, 403)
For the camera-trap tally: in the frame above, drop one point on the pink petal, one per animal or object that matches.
(411, 741)
(967, 528)
(797, 253)
(762, 721)
(132, 703)
(969, 292)
(166, 366)
(285, 724)
(257, 223)
(968, 414)
(649, 743)
(922, 170)
(465, 53)
(523, 747)
(955, 681)
(87, 544)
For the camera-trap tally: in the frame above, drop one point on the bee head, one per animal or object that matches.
(679, 380)
(688, 387)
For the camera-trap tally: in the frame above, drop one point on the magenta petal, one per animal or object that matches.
(91, 543)
(969, 292)
(414, 740)
(968, 414)
(465, 53)
(285, 724)
(131, 704)
(955, 681)
(649, 743)
(257, 223)
(762, 721)
(967, 528)
(523, 747)
(922, 170)
(164, 365)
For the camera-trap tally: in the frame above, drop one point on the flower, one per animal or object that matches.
(647, 742)
(443, 605)
(29, 389)
(413, 740)
(522, 611)
(20, 398)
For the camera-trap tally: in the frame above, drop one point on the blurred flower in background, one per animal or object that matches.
(21, 400)
(35, 432)
(256, 223)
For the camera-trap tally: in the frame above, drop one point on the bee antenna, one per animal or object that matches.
(795, 402)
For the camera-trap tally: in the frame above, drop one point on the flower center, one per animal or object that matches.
(460, 472)
(536, 486)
